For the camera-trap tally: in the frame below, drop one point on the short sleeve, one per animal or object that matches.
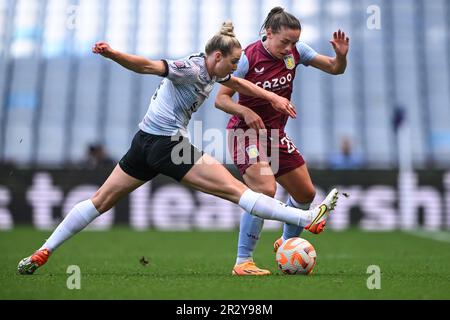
(306, 53)
(184, 70)
(242, 67)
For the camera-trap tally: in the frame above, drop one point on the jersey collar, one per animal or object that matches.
(264, 48)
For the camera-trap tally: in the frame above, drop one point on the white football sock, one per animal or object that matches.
(266, 207)
(248, 200)
(78, 218)
(303, 206)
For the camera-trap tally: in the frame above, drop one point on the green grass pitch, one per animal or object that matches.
(197, 265)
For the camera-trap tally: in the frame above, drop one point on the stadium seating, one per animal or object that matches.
(59, 97)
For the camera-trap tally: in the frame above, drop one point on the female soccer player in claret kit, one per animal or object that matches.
(161, 145)
(271, 64)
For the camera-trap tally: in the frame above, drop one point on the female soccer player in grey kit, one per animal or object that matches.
(271, 62)
(161, 146)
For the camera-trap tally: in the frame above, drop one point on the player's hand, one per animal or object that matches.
(103, 48)
(284, 106)
(340, 43)
(252, 119)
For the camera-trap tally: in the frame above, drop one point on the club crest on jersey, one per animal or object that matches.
(180, 64)
(289, 61)
(252, 151)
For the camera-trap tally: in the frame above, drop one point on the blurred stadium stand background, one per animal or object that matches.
(58, 100)
(56, 97)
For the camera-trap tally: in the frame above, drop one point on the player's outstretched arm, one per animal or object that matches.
(338, 64)
(247, 88)
(225, 103)
(134, 63)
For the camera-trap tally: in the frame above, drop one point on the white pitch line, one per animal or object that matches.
(440, 236)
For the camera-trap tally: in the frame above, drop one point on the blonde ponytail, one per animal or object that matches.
(224, 41)
(227, 29)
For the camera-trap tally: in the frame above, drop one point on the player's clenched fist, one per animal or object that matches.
(103, 48)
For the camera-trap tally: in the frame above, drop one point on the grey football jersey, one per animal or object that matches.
(185, 87)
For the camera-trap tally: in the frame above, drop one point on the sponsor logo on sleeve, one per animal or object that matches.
(180, 64)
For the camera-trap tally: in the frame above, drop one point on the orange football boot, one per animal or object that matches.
(248, 268)
(277, 244)
(29, 264)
